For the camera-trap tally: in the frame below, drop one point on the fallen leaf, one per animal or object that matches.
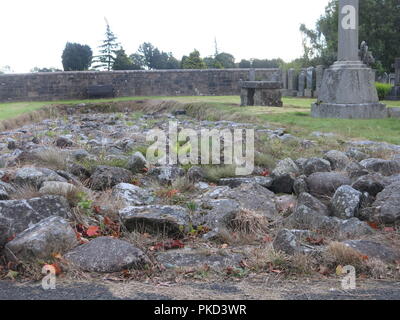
(339, 270)
(93, 231)
(373, 225)
(224, 246)
(389, 229)
(265, 173)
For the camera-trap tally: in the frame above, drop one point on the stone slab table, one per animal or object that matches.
(261, 93)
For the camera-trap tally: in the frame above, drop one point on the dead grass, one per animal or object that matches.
(52, 158)
(24, 192)
(338, 254)
(216, 172)
(248, 222)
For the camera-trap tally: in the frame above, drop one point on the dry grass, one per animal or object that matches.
(214, 173)
(339, 254)
(248, 222)
(24, 192)
(52, 158)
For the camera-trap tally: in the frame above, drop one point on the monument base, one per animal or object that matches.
(349, 111)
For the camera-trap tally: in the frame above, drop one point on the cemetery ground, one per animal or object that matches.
(75, 183)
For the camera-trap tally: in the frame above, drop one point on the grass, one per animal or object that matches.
(294, 115)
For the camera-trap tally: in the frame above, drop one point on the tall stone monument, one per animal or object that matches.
(395, 93)
(348, 86)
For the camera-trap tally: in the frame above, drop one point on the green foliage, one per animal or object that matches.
(383, 90)
(107, 51)
(266, 63)
(123, 62)
(226, 60)
(379, 27)
(245, 64)
(76, 57)
(150, 57)
(194, 61)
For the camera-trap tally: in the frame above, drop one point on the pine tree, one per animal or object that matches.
(108, 51)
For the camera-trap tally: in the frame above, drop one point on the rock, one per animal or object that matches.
(80, 154)
(355, 170)
(283, 176)
(137, 163)
(286, 242)
(132, 195)
(42, 240)
(196, 174)
(106, 254)
(156, 219)
(373, 249)
(306, 199)
(285, 203)
(78, 171)
(372, 183)
(352, 228)
(36, 176)
(384, 167)
(356, 154)
(337, 159)
(57, 188)
(5, 190)
(301, 162)
(346, 202)
(326, 183)
(166, 175)
(64, 142)
(105, 177)
(194, 258)
(386, 208)
(18, 215)
(265, 182)
(300, 185)
(316, 165)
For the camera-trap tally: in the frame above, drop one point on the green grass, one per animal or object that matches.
(295, 115)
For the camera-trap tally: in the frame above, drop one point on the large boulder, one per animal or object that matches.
(265, 182)
(286, 241)
(386, 208)
(50, 236)
(131, 195)
(313, 165)
(384, 167)
(196, 174)
(355, 170)
(18, 215)
(166, 175)
(326, 183)
(346, 202)
(283, 176)
(306, 199)
(105, 177)
(106, 254)
(372, 183)
(373, 249)
(137, 163)
(5, 190)
(156, 219)
(36, 176)
(338, 160)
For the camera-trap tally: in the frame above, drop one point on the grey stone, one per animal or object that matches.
(166, 175)
(306, 199)
(36, 176)
(106, 254)
(300, 185)
(197, 258)
(64, 142)
(261, 93)
(283, 176)
(385, 167)
(57, 188)
(287, 242)
(18, 215)
(196, 174)
(346, 202)
(80, 154)
(386, 208)
(356, 154)
(355, 170)
(326, 183)
(137, 163)
(131, 195)
(5, 190)
(372, 183)
(373, 249)
(338, 159)
(50, 236)
(105, 177)
(156, 219)
(313, 165)
(236, 182)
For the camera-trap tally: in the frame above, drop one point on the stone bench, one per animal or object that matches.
(101, 91)
(261, 93)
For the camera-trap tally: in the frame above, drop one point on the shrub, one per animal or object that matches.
(383, 90)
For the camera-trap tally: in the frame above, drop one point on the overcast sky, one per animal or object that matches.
(34, 32)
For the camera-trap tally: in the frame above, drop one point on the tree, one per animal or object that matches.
(212, 63)
(226, 60)
(379, 27)
(265, 63)
(245, 64)
(5, 69)
(123, 62)
(153, 59)
(76, 57)
(51, 69)
(194, 61)
(107, 51)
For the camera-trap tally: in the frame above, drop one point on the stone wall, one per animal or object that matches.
(73, 85)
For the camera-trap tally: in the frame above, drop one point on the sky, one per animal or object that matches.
(34, 33)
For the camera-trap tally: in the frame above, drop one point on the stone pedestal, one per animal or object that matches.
(348, 92)
(261, 93)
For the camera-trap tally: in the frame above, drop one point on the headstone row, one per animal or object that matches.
(303, 83)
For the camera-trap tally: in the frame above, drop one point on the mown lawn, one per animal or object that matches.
(295, 116)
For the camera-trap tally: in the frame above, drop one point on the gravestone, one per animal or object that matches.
(310, 75)
(252, 75)
(284, 79)
(348, 86)
(395, 93)
(261, 93)
(319, 73)
(302, 83)
(292, 82)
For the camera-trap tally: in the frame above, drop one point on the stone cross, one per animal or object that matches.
(348, 30)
